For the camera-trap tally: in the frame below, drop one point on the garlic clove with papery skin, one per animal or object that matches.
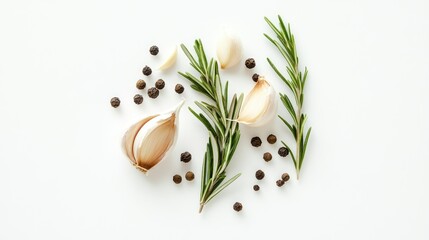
(228, 50)
(130, 135)
(148, 141)
(260, 105)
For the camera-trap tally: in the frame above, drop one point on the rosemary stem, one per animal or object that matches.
(298, 130)
(296, 83)
(222, 139)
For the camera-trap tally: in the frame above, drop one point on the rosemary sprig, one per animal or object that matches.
(224, 134)
(285, 43)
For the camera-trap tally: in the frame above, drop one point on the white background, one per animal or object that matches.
(62, 172)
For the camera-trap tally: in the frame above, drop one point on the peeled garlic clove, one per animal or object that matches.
(260, 105)
(147, 142)
(170, 60)
(228, 50)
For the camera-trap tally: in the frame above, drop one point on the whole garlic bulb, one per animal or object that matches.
(260, 105)
(228, 50)
(148, 141)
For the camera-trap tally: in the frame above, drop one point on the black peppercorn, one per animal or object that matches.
(140, 84)
(250, 63)
(256, 141)
(272, 139)
(259, 174)
(185, 157)
(138, 99)
(255, 77)
(285, 177)
(189, 176)
(237, 206)
(115, 102)
(177, 179)
(283, 151)
(147, 71)
(179, 88)
(153, 92)
(267, 157)
(256, 187)
(160, 84)
(154, 50)
(280, 183)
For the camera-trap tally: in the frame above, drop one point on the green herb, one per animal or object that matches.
(224, 134)
(285, 43)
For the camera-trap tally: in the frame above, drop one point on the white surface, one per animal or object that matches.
(62, 172)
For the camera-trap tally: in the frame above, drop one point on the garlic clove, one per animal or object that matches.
(147, 142)
(130, 135)
(155, 145)
(270, 113)
(170, 60)
(228, 50)
(260, 105)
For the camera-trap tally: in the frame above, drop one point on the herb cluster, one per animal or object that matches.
(224, 134)
(285, 44)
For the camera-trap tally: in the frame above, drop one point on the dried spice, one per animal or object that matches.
(283, 151)
(140, 84)
(256, 141)
(285, 177)
(250, 63)
(185, 157)
(237, 206)
(115, 102)
(147, 71)
(259, 174)
(267, 157)
(138, 99)
(160, 84)
(255, 77)
(271, 139)
(177, 179)
(256, 187)
(280, 183)
(179, 88)
(153, 92)
(154, 50)
(189, 176)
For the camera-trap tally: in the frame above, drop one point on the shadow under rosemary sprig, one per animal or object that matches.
(224, 134)
(285, 44)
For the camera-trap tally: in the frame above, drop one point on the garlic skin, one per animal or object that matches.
(148, 141)
(169, 61)
(260, 105)
(228, 50)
